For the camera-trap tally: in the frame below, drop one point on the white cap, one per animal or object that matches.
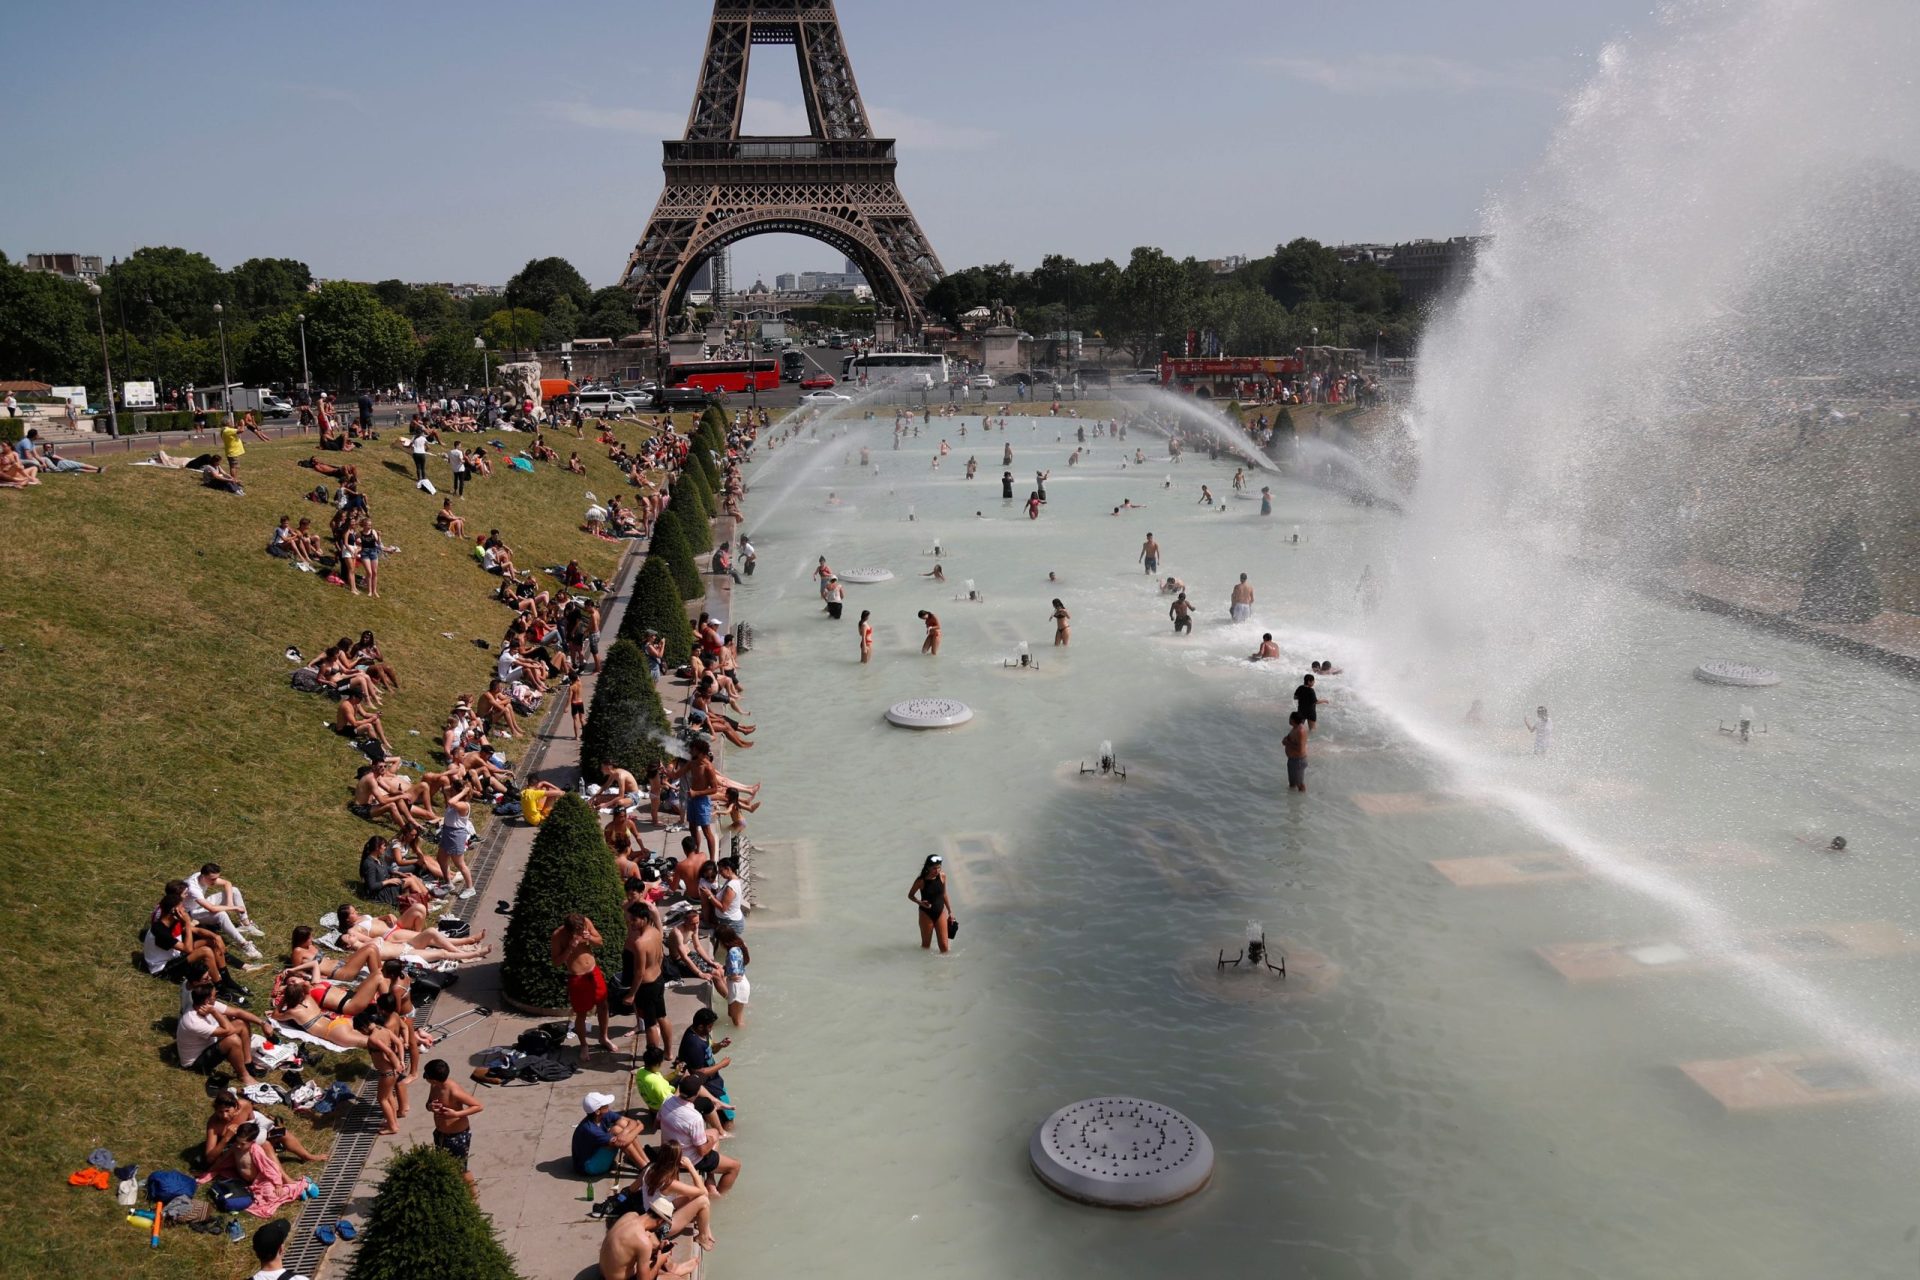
(595, 1102)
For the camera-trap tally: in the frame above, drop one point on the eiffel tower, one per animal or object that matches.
(835, 185)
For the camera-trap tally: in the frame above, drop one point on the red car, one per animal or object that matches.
(818, 382)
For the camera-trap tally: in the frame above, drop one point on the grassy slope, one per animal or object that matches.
(150, 728)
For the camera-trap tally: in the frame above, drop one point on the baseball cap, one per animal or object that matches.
(270, 1239)
(596, 1102)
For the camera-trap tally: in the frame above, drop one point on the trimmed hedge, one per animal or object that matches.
(424, 1222)
(13, 430)
(656, 605)
(715, 418)
(669, 542)
(626, 716)
(695, 514)
(569, 869)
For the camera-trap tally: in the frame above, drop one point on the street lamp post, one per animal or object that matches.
(306, 378)
(106, 362)
(486, 368)
(226, 378)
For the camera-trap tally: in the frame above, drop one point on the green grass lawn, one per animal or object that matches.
(151, 728)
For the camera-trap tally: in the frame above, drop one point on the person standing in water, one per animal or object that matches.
(1150, 554)
(1295, 745)
(1307, 700)
(929, 894)
(1240, 604)
(866, 637)
(931, 645)
(1266, 501)
(1062, 623)
(1542, 731)
(1006, 485)
(1006, 454)
(1182, 614)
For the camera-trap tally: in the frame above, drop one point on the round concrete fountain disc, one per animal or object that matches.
(1736, 673)
(1124, 1152)
(870, 574)
(929, 713)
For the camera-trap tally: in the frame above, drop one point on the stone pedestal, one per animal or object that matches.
(1000, 349)
(886, 331)
(686, 346)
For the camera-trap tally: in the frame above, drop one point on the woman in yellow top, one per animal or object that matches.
(230, 442)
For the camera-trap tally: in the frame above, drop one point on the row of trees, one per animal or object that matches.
(158, 310)
(1270, 305)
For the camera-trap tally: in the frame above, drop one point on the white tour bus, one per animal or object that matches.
(916, 368)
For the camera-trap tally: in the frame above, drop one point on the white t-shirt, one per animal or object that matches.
(508, 664)
(418, 444)
(680, 1121)
(456, 457)
(197, 900)
(157, 955)
(277, 1273)
(195, 1032)
(737, 913)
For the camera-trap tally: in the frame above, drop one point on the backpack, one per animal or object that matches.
(169, 1184)
(305, 680)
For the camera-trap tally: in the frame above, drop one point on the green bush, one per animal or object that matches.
(568, 870)
(670, 542)
(424, 1222)
(626, 717)
(714, 418)
(13, 429)
(695, 512)
(656, 605)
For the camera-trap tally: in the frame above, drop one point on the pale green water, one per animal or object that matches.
(1451, 1106)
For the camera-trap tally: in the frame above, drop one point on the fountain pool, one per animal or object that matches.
(1514, 1073)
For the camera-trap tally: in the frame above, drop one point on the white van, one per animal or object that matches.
(611, 404)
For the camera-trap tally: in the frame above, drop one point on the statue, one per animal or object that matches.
(520, 382)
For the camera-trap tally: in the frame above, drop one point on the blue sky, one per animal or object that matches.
(454, 142)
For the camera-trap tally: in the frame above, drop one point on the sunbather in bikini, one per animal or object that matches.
(397, 941)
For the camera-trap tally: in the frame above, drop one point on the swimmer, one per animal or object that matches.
(1327, 668)
(937, 574)
(1267, 650)
(1173, 586)
(1182, 614)
(1051, 577)
(1240, 603)
(1206, 497)
(1836, 845)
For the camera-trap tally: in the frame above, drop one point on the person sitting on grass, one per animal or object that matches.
(171, 944)
(603, 1135)
(576, 466)
(365, 655)
(214, 476)
(254, 1163)
(14, 473)
(280, 541)
(234, 1119)
(384, 882)
(211, 1033)
(337, 671)
(574, 577)
(215, 902)
(496, 708)
(306, 543)
(447, 522)
(351, 721)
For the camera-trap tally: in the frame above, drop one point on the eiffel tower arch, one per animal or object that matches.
(836, 184)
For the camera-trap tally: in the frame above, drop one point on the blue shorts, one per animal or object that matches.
(700, 811)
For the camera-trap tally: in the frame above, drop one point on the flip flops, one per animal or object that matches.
(346, 1230)
(324, 1234)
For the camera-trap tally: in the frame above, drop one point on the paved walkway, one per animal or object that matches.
(522, 1141)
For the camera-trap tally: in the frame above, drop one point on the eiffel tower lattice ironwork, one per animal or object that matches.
(835, 185)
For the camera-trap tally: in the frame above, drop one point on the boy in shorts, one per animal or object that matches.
(452, 1107)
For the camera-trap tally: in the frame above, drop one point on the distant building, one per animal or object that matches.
(1425, 268)
(785, 282)
(461, 291)
(83, 267)
(1228, 265)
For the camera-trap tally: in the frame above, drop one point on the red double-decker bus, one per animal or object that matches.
(725, 375)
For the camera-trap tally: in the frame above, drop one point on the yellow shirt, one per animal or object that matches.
(654, 1087)
(230, 441)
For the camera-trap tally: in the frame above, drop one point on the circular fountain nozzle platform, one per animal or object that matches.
(1124, 1152)
(1736, 673)
(929, 713)
(872, 573)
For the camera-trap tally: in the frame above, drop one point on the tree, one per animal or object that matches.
(47, 329)
(449, 359)
(626, 724)
(670, 540)
(568, 871)
(515, 329)
(543, 282)
(353, 340)
(1153, 296)
(685, 499)
(271, 352)
(656, 605)
(161, 288)
(424, 1222)
(608, 315)
(260, 287)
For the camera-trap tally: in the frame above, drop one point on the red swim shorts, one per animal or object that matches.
(585, 991)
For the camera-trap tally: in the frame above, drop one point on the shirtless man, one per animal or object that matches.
(1182, 614)
(703, 785)
(1267, 650)
(1240, 603)
(495, 708)
(452, 1108)
(349, 722)
(618, 789)
(1150, 555)
(572, 947)
(632, 1248)
(646, 952)
(932, 643)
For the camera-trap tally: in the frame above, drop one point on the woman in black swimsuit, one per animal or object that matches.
(929, 893)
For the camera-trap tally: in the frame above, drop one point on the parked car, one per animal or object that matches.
(982, 382)
(825, 397)
(818, 382)
(1143, 377)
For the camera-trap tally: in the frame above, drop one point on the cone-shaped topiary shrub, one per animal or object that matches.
(695, 516)
(568, 870)
(424, 1223)
(670, 541)
(626, 717)
(657, 604)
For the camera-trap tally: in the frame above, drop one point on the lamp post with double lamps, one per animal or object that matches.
(226, 379)
(306, 378)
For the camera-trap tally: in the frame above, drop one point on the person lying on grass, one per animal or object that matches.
(306, 956)
(300, 1007)
(292, 987)
(398, 940)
